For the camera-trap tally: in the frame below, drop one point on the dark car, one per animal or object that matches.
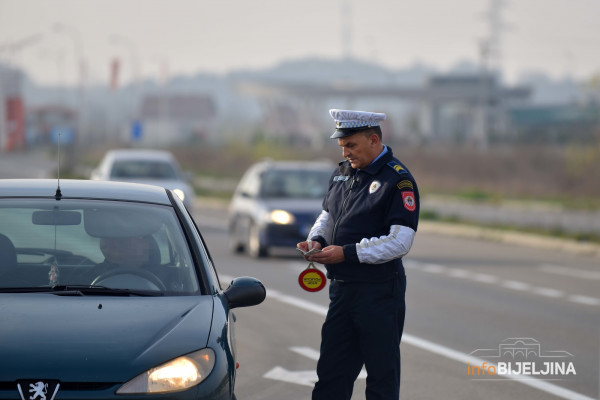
(108, 291)
(275, 205)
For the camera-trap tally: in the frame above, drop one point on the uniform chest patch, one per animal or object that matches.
(408, 198)
(340, 178)
(375, 186)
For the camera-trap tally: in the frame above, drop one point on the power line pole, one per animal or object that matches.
(490, 75)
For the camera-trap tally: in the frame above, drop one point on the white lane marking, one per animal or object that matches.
(592, 301)
(307, 352)
(305, 377)
(297, 302)
(506, 283)
(548, 292)
(459, 273)
(572, 272)
(434, 268)
(485, 278)
(516, 285)
(432, 348)
(313, 354)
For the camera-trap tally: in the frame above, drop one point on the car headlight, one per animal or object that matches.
(179, 193)
(281, 217)
(179, 374)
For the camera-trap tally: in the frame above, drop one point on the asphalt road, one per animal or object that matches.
(465, 298)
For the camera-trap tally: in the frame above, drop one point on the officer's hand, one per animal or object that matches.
(305, 246)
(329, 255)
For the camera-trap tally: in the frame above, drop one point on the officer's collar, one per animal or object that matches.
(384, 157)
(381, 154)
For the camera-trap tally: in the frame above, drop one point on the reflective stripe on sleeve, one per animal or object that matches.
(318, 228)
(385, 248)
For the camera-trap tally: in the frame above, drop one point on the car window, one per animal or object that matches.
(308, 184)
(45, 243)
(149, 169)
(250, 185)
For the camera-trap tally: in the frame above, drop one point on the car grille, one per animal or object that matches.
(67, 386)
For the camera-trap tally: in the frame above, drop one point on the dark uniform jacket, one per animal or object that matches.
(371, 211)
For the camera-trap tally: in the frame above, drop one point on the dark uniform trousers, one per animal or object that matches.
(364, 325)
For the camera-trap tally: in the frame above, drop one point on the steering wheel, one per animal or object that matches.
(142, 273)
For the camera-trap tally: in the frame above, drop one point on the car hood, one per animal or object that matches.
(97, 339)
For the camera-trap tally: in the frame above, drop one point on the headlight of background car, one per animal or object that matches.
(179, 374)
(281, 217)
(179, 193)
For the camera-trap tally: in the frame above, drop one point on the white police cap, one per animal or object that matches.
(349, 122)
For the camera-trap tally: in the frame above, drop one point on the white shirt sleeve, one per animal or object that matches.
(386, 248)
(318, 228)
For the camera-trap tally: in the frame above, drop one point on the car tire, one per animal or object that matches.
(235, 244)
(255, 248)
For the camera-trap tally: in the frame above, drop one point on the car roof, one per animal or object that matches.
(72, 188)
(129, 154)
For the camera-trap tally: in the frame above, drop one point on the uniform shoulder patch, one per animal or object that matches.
(408, 198)
(397, 167)
(405, 184)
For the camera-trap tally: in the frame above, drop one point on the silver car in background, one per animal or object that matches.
(152, 167)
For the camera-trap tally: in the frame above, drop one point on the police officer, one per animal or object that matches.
(369, 219)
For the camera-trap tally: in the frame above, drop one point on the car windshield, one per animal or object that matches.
(297, 183)
(49, 244)
(143, 169)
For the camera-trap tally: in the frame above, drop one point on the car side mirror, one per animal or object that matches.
(245, 292)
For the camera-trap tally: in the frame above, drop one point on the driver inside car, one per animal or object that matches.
(131, 253)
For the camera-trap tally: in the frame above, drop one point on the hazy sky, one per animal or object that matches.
(558, 37)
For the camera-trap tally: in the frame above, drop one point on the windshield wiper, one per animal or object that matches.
(104, 291)
(26, 289)
(82, 290)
